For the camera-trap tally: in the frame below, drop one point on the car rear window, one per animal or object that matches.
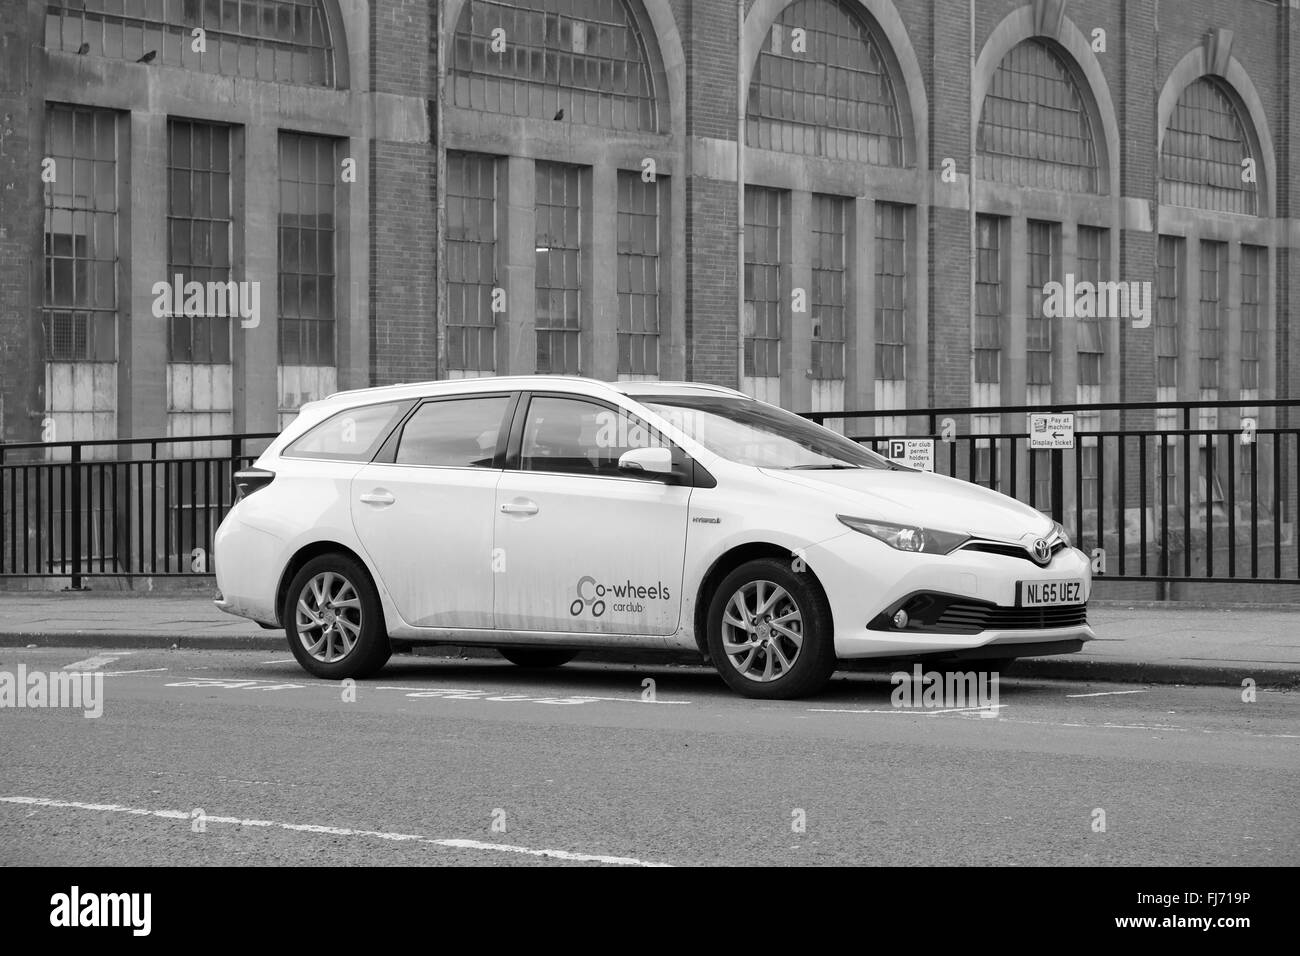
(353, 434)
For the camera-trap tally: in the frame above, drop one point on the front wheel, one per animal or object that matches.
(333, 619)
(770, 633)
(536, 657)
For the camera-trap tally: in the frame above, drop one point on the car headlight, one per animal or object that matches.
(1059, 532)
(905, 537)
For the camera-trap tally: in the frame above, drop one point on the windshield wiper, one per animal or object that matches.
(836, 466)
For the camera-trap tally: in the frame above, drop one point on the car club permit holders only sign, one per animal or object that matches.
(1051, 431)
(915, 453)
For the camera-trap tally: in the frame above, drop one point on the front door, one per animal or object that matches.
(583, 546)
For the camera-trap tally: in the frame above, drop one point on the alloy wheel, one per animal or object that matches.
(762, 631)
(328, 617)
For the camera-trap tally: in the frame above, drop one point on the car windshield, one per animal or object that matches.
(751, 433)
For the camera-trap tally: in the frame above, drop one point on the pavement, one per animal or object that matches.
(208, 757)
(1137, 643)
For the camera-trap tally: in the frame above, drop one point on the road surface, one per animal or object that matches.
(222, 757)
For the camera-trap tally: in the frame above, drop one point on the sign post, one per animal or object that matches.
(1054, 432)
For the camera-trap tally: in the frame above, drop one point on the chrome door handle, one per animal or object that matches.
(378, 498)
(520, 508)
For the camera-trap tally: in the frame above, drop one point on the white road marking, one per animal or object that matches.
(227, 683)
(287, 660)
(1062, 723)
(496, 695)
(96, 662)
(145, 670)
(1109, 693)
(914, 711)
(456, 844)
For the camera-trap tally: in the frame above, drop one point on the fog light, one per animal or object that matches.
(900, 618)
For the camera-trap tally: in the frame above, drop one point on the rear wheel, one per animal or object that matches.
(770, 633)
(333, 619)
(536, 656)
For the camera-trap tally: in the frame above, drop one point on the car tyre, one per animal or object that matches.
(536, 656)
(334, 621)
(784, 646)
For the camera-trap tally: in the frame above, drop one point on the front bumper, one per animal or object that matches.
(866, 580)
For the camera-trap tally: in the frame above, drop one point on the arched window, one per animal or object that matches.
(540, 57)
(825, 91)
(1034, 127)
(1203, 153)
(287, 41)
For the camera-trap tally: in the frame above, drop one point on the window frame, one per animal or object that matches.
(375, 449)
(387, 454)
(686, 471)
(458, 333)
(308, 328)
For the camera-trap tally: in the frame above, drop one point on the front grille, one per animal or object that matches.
(933, 613)
(970, 618)
(1009, 550)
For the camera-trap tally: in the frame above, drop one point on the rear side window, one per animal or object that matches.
(454, 433)
(353, 434)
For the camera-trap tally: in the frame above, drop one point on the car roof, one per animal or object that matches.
(563, 383)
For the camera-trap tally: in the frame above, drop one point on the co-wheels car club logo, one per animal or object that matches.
(626, 597)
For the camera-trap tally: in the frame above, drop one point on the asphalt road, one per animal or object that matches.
(471, 762)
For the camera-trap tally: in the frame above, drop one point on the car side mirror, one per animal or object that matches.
(654, 461)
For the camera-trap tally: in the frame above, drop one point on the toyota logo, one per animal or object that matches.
(1042, 551)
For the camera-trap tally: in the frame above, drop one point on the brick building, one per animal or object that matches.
(407, 189)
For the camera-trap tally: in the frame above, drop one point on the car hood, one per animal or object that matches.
(922, 498)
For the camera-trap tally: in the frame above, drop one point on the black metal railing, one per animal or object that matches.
(1191, 492)
(117, 508)
(1156, 492)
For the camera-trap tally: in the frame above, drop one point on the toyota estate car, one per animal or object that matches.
(542, 515)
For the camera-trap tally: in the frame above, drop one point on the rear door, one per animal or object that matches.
(584, 546)
(423, 509)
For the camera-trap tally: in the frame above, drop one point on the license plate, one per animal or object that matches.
(1049, 593)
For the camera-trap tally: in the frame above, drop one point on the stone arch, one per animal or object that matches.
(1196, 64)
(338, 36)
(1024, 24)
(663, 46)
(332, 46)
(913, 111)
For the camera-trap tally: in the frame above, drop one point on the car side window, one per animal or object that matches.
(454, 433)
(579, 437)
(353, 434)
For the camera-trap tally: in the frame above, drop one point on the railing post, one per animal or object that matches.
(1058, 486)
(75, 463)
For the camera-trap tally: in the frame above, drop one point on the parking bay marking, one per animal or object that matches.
(443, 693)
(505, 696)
(453, 844)
(96, 662)
(915, 711)
(1109, 693)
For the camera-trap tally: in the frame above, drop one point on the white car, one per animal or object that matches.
(543, 514)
